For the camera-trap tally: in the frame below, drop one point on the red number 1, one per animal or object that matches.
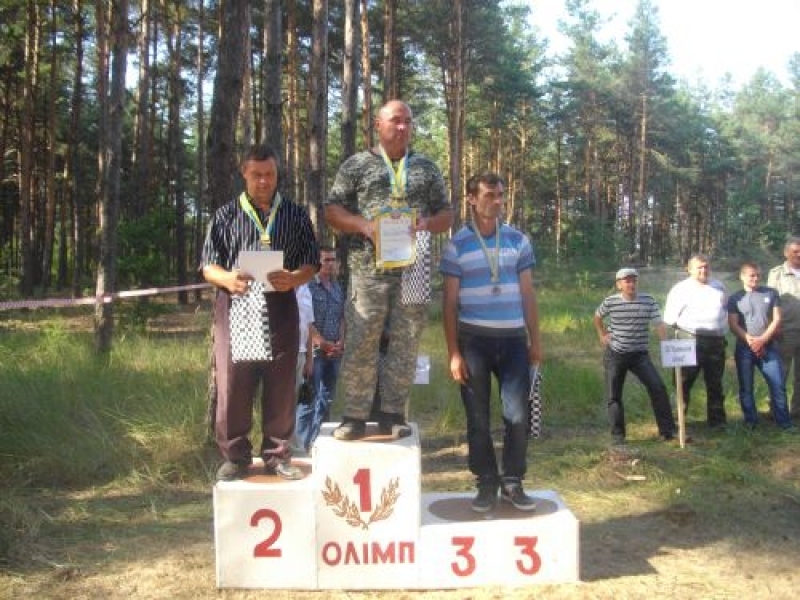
(362, 480)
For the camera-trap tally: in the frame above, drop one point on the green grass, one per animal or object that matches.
(89, 445)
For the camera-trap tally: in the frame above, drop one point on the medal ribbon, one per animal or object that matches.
(397, 176)
(494, 265)
(265, 232)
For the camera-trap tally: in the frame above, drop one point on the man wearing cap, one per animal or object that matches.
(696, 308)
(623, 323)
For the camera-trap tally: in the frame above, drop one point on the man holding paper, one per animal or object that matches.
(256, 323)
(387, 201)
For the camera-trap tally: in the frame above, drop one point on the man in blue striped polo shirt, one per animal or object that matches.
(491, 327)
(623, 323)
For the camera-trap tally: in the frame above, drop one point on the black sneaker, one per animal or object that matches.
(231, 470)
(486, 499)
(394, 425)
(516, 495)
(350, 429)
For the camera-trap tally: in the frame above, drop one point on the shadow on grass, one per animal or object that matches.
(624, 546)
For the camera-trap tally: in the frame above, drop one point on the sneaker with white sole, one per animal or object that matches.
(514, 494)
(231, 470)
(486, 499)
(286, 470)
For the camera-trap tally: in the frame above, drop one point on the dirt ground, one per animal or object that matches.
(160, 545)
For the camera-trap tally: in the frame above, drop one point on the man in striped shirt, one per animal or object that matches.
(259, 219)
(491, 327)
(623, 323)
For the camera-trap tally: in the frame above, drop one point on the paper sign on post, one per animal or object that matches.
(678, 353)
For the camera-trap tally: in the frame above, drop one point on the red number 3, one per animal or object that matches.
(528, 548)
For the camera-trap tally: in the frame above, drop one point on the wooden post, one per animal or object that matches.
(681, 416)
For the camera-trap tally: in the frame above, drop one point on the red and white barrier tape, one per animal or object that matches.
(59, 302)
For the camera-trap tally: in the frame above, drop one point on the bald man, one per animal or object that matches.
(389, 175)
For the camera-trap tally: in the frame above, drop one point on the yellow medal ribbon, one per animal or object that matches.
(265, 232)
(398, 176)
(494, 261)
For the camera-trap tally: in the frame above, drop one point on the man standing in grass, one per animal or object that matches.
(327, 336)
(626, 339)
(754, 316)
(491, 327)
(785, 278)
(696, 308)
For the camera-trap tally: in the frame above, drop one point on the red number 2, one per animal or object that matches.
(265, 549)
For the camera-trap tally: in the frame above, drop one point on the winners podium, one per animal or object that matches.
(358, 521)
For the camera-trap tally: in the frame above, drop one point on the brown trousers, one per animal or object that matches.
(237, 383)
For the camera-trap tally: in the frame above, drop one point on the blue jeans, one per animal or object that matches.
(507, 359)
(616, 366)
(771, 368)
(310, 417)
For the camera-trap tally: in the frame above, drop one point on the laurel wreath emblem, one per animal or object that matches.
(343, 507)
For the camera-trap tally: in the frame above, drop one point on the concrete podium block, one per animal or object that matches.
(264, 531)
(368, 510)
(461, 548)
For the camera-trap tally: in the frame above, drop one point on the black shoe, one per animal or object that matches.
(516, 495)
(486, 499)
(394, 425)
(350, 429)
(231, 470)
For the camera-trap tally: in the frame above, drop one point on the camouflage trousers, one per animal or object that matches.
(373, 300)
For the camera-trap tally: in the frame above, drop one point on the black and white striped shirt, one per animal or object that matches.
(629, 321)
(233, 231)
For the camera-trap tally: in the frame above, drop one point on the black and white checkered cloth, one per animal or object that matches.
(535, 403)
(416, 284)
(249, 326)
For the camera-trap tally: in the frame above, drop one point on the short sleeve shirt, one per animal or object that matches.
(754, 309)
(363, 187)
(483, 303)
(629, 321)
(232, 231)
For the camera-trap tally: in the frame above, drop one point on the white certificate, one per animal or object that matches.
(396, 244)
(260, 263)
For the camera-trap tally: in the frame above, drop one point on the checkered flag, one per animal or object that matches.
(416, 284)
(535, 403)
(249, 326)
